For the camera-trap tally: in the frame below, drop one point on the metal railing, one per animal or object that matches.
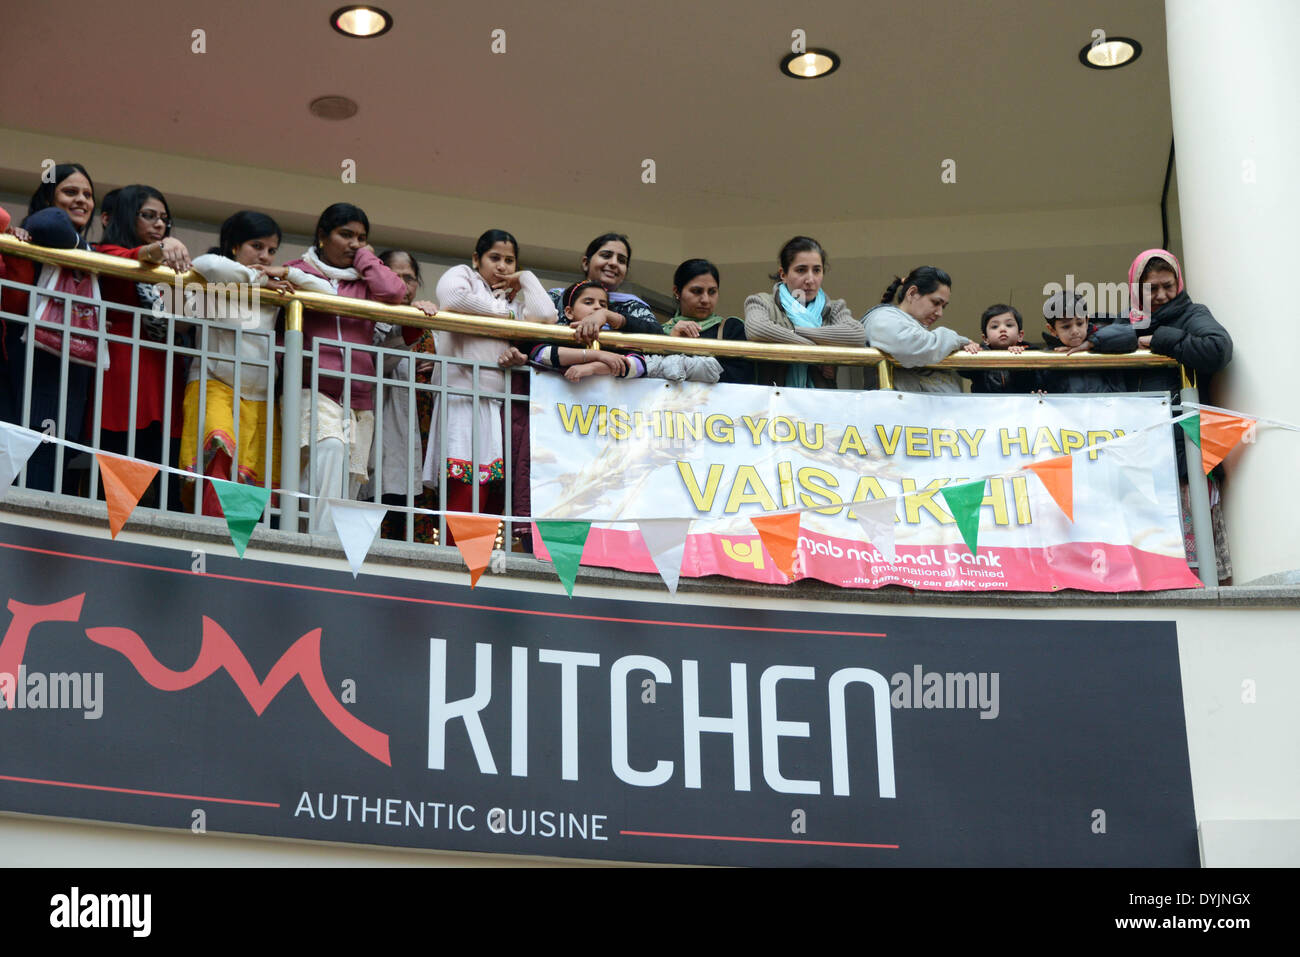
(289, 356)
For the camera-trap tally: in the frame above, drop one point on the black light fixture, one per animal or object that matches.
(810, 65)
(361, 21)
(1110, 54)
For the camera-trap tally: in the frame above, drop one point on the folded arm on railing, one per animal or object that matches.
(512, 329)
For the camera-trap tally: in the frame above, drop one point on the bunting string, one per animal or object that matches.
(125, 480)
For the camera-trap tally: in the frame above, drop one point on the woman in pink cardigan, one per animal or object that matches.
(345, 423)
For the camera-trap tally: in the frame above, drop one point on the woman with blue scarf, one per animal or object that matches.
(797, 312)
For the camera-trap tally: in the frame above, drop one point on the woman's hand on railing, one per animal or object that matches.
(587, 330)
(169, 251)
(426, 306)
(511, 357)
(277, 277)
(686, 329)
(20, 234)
(971, 347)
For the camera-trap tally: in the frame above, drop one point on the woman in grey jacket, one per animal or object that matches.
(906, 330)
(797, 312)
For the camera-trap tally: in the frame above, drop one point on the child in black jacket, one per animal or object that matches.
(1003, 329)
(1070, 332)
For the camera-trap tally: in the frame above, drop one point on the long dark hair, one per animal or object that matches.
(120, 230)
(792, 248)
(926, 279)
(243, 226)
(593, 247)
(108, 209)
(491, 238)
(336, 215)
(692, 268)
(43, 198)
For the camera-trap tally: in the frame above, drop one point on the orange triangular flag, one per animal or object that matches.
(780, 535)
(475, 535)
(1219, 435)
(124, 482)
(1058, 478)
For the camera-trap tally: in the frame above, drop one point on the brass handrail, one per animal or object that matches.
(533, 331)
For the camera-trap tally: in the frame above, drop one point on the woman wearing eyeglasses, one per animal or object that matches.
(140, 229)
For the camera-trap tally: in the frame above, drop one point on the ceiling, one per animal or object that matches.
(587, 91)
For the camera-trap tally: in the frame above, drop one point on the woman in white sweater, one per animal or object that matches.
(235, 448)
(492, 286)
(906, 330)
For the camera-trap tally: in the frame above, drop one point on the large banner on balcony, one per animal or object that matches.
(614, 451)
(156, 686)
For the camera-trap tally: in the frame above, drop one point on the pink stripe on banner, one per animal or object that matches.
(1086, 566)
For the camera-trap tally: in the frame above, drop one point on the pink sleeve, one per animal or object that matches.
(457, 292)
(383, 284)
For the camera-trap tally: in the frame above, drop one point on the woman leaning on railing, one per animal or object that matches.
(59, 215)
(345, 424)
(140, 229)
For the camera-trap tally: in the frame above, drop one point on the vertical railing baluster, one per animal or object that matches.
(290, 417)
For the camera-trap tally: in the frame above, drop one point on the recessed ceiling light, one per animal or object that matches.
(333, 107)
(361, 21)
(810, 65)
(1111, 53)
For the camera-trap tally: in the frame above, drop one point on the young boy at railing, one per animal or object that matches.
(1003, 330)
(1069, 331)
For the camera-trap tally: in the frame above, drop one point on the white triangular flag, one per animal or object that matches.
(665, 540)
(876, 517)
(356, 524)
(16, 447)
(1130, 456)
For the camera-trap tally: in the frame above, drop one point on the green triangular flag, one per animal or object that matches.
(1192, 427)
(564, 540)
(963, 502)
(243, 506)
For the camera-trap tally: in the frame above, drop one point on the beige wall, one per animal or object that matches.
(992, 258)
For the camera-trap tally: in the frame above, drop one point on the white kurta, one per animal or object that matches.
(474, 433)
